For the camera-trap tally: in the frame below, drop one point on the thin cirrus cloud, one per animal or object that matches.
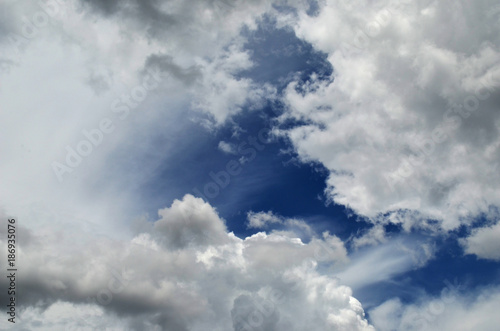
(383, 262)
(76, 53)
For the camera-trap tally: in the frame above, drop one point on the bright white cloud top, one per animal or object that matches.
(189, 273)
(408, 125)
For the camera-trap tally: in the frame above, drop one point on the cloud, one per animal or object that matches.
(165, 64)
(484, 243)
(203, 27)
(199, 44)
(190, 222)
(94, 58)
(292, 227)
(408, 121)
(371, 265)
(369, 125)
(228, 148)
(261, 220)
(452, 310)
(373, 236)
(221, 94)
(184, 272)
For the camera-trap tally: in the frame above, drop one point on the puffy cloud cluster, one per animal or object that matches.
(184, 272)
(201, 35)
(408, 125)
(452, 310)
(484, 243)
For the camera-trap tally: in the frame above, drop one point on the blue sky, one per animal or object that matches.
(264, 165)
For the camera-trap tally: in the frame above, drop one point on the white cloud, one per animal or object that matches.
(484, 242)
(71, 317)
(261, 220)
(388, 125)
(292, 227)
(185, 273)
(226, 147)
(204, 35)
(373, 236)
(450, 311)
(220, 94)
(190, 222)
(371, 265)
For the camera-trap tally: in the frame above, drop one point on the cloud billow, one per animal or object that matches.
(185, 271)
(409, 125)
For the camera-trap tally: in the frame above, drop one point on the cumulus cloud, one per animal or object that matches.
(286, 226)
(262, 219)
(190, 222)
(452, 310)
(185, 271)
(484, 243)
(409, 121)
(395, 125)
(199, 42)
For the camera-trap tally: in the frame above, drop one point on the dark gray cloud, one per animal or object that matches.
(165, 63)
